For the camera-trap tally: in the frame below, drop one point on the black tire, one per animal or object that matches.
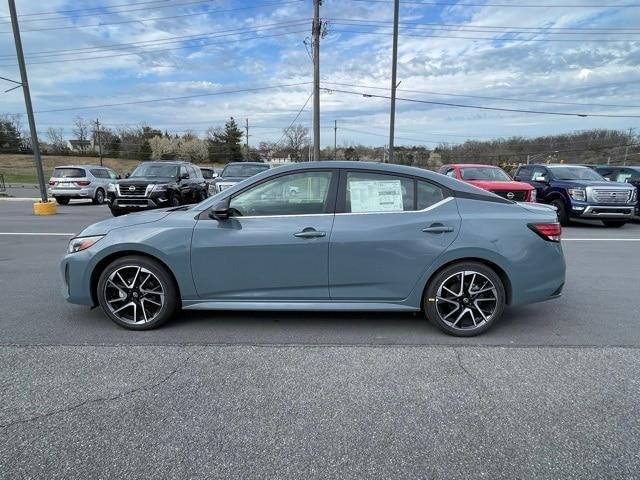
(201, 196)
(463, 327)
(170, 300)
(63, 200)
(98, 199)
(116, 212)
(563, 217)
(175, 200)
(614, 223)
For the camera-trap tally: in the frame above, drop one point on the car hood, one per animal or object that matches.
(229, 179)
(591, 183)
(147, 180)
(138, 218)
(501, 185)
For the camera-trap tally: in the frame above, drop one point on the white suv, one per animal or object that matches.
(80, 181)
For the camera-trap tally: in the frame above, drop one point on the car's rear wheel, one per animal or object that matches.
(465, 299)
(563, 217)
(98, 199)
(137, 293)
(63, 200)
(613, 223)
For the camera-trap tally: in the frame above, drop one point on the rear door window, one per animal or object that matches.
(428, 195)
(69, 173)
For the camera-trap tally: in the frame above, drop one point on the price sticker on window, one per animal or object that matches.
(375, 196)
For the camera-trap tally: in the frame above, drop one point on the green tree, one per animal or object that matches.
(230, 139)
(145, 151)
(9, 135)
(351, 153)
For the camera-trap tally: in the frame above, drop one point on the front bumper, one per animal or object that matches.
(76, 279)
(158, 200)
(603, 212)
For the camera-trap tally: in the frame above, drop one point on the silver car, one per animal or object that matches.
(80, 181)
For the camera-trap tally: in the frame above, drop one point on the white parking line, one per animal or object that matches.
(39, 234)
(601, 239)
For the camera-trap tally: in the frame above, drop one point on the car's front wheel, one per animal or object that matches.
(465, 299)
(137, 293)
(563, 216)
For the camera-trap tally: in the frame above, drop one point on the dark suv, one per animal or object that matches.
(157, 184)
(630, 175)
(580, 192)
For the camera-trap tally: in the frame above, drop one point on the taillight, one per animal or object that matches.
(548, 231)
(83, 183)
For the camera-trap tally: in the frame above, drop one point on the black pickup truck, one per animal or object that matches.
(156, 185)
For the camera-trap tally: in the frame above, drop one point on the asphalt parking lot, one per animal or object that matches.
(552, 391)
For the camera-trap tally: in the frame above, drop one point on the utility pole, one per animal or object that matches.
(27, 100)
(99, 139)
(315, 31)
(246, 143)
(394, 68)
(626, 150)
(335, 140)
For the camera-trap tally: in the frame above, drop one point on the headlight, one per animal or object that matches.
(634, 196)
(82, 243)
(534, 196)
(577, 194)
(159, 188)
(111, 187)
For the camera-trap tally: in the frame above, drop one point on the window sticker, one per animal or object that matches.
(375, 196)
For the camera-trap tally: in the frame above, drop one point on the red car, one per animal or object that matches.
(491, 178)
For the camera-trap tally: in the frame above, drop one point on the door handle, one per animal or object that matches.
(309, 233)
(437, 228)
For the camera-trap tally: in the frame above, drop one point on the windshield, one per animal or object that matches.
(243, 170)
(155, 170)
(68, 173)
(484, 173)
(575, 173)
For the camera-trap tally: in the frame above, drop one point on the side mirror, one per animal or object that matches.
(220, 211)
(541, 179)
(127, 175)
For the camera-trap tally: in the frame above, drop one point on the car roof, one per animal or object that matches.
(81, 166)
(248, 163)
(473, 165)
(168, 162)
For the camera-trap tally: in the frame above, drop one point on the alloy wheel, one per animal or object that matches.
(466, 300)
(134, 294)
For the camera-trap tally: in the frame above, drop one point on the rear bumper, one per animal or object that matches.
(71, 193)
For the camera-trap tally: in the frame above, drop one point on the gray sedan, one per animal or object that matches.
(332, 236)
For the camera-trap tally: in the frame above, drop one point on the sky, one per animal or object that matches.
(248, 59)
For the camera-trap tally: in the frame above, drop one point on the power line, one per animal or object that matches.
(493, 39)
(484, 97)
(142, 52)
(479, 107)
(165, 99)
(116, 12)
(284, 133)
(87, 9)
(476, 29)
(507, 5)
(143, 20)
(159, 41)
(502, 27)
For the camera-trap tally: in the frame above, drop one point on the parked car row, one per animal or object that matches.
(150, 185)
(609, 194)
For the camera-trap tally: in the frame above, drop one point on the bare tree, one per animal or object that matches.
(81, 130)
(56, 139)
(296, 139)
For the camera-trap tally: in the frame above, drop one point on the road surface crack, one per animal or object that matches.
(133, 391)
